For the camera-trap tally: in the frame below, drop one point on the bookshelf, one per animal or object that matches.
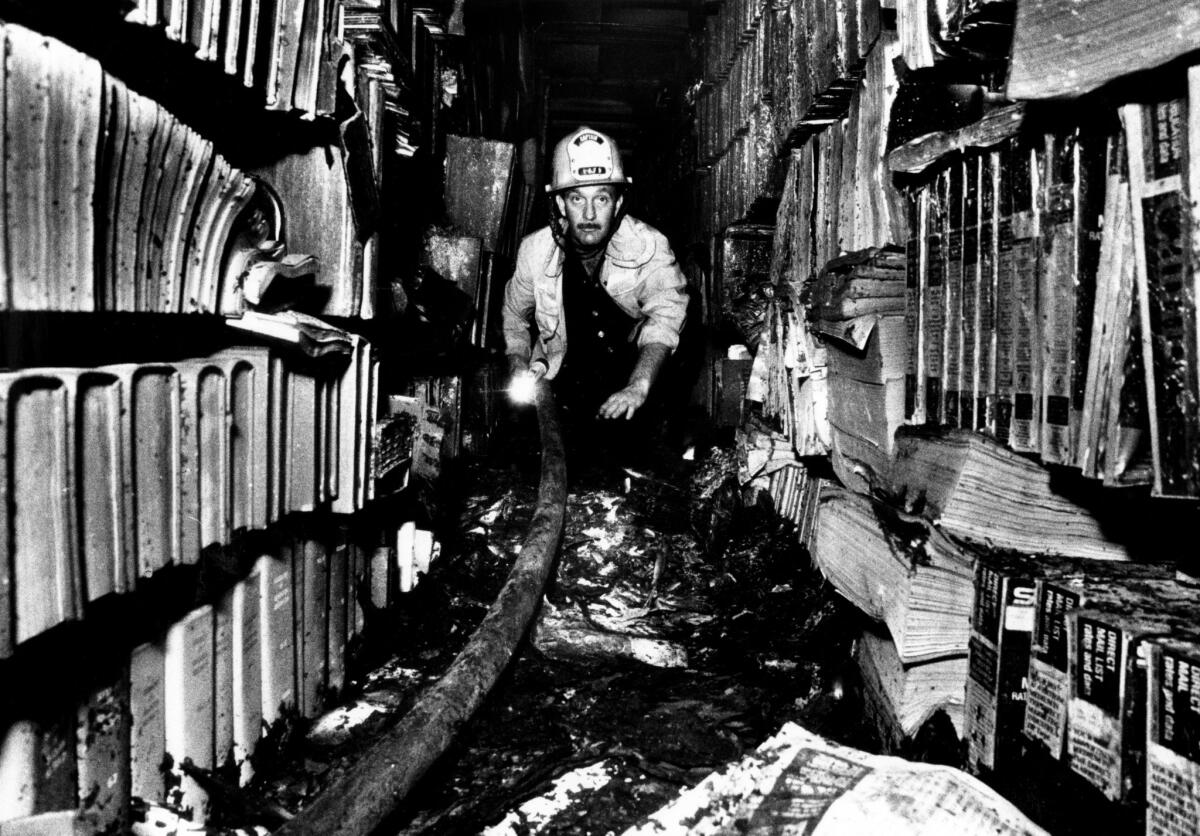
(190, 469)
(1035, 194)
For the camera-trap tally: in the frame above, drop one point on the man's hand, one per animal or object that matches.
(523, 379)
(625, 402)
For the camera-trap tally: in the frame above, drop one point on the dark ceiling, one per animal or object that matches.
(618, 65)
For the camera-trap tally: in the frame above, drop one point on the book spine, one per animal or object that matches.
(1104, 735)
(339, 602)
(979, 710)
(985, 402)
(1026, 223)
(952, 316)
(1058, 278)
(970, 294)
(223, 616)
(1005, 294)
(1157, 153)
(102, 747)
(42, 547)
(277, 636)
(313, 627)
(1048, 689)
(100, 482)
(1107, 321)
(247, 671)
(188, 707)
(1172, 757)
(933, 298)
(146, 716)
(1091, 182)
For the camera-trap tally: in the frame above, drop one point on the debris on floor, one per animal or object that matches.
(799, 782)
(682, 627)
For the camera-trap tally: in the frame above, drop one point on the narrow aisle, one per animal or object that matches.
(680, 630)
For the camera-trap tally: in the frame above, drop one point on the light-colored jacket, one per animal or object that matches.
(639, 272)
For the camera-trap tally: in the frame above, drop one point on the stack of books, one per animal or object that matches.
(121, 206)
(282, 47)
(899, 571)
(179, 456)
(858, 303)
(1033, 322)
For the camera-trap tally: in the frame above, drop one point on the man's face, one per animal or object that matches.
(589, 211)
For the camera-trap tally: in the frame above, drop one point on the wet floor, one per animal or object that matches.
(682, 626)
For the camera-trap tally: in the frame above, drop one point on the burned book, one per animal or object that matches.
(899, 571)
(979, 491)
(1159, 137)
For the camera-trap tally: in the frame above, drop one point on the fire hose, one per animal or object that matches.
(373, 788)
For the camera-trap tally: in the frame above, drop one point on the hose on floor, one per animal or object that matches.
(361, 799)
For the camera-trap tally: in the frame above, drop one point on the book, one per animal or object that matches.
(279, 399)
(989, 292)
(1004, 620)
(38, 771)
(1157, 136)
(1172, 757)
(247, 371)
(303, 434)
(899, 571)
(933, 314)
(151, 407)
(976, 490)
(204, 445)
(952, 316)
(159, 287)
(188, 708)
(106, 552)
(1106, 716)
(1025, 165)
(162, 127)
(247, 671)
(52, 108)
(18, 768)
(135, 168)
(312, 627)
(231, 15)
(901, 698)
(223, 695)
(147, 746)
(339, 605)
(1060, 50)
(277, 635)
(1071, 222)
(42, 545)
(217, 293)
(1110, 315)
(102, 748)
(1047, 690)
(309, 56)
(403, 555)
(196, 166)
(971, 278)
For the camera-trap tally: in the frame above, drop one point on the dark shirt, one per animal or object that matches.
(599, 355)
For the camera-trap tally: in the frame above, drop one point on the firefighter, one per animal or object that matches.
(600, 278)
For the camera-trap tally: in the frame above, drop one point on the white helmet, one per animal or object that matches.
(586, 157)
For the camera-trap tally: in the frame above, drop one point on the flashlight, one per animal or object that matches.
(523, 388)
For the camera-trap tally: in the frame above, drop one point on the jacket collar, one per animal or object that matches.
(629, 247)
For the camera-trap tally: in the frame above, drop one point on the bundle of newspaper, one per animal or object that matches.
(799, 782)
